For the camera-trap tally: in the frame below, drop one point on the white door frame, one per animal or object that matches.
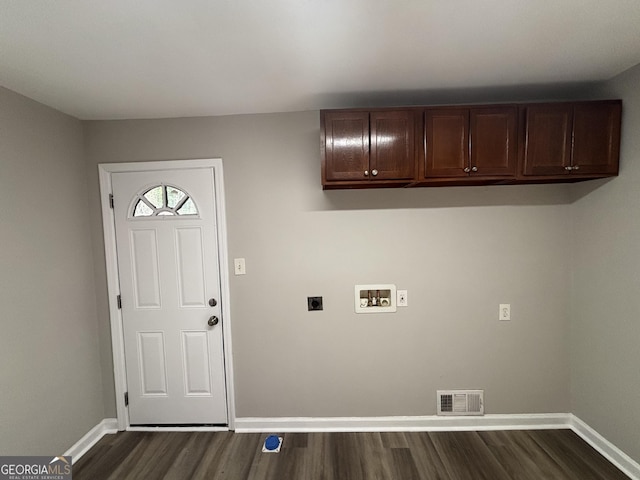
(113, 287)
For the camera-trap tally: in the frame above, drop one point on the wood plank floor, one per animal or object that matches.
(495, 455)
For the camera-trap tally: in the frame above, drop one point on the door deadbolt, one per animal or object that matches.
(213, 302)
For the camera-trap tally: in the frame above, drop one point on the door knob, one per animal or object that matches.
(213, 320)
(374, 172)
(212, 302)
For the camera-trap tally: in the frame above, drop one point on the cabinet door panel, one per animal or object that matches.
(547, 149)
(346, 145)
(447, 142)
(596, 138)
(493, 141)
(392, 145)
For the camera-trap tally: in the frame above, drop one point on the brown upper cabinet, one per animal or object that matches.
(447, 143)
(571, 139)
(470, 145)
(346, 146)
(363, 147)
(470, 142)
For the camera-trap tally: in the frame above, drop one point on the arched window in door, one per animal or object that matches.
(161, 200)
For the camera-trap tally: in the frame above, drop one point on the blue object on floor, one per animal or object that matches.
(272, 443)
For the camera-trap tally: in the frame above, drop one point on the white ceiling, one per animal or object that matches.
(103, 59)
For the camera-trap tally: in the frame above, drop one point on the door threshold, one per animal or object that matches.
(189, 427)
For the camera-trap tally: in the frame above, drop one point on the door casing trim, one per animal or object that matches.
(113, 287)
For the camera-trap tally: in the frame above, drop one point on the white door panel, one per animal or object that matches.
(168, 271)
(152, 363)
(195, 361)
(190, 262)
(144, 268)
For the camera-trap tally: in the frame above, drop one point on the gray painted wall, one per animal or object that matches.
(605, 327)
(51, 392)
(458, 251)
(563, 256)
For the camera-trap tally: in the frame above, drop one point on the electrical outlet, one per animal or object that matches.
(401, 298)
(505, 312)
(314, 303)
(239, 267)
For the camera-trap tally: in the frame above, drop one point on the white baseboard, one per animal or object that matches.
(435, 424)
(431, 423)
(108, 425)
(607, 449)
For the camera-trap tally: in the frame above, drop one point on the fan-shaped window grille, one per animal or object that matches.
(164, 200)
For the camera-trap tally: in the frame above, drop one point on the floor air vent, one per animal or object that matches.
(460, 402)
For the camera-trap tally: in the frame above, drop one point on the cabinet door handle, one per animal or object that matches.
(374, 172)
(576, 167)
(366, 173)
(568, 168)
(466, 169)
(474, 169)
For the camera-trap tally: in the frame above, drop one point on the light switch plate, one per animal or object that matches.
(505, 312)
(239, 267)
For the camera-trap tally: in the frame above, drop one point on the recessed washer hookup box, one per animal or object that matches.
(375, 298)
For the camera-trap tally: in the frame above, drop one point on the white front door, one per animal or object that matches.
(169, 276)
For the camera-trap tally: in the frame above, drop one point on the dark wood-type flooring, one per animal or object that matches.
(495, 455)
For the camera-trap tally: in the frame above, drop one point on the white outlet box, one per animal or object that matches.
(402, 300)
(505, 312)
(239, 267)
